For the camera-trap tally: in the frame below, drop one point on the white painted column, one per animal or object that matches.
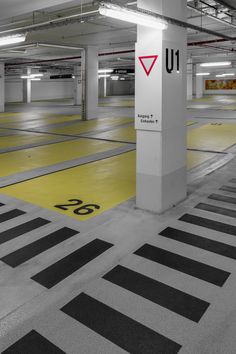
(2, 87)
(91, 73)
(77, 86)
(27, 87)
(199, 82)
(160, 110)
(189, 79)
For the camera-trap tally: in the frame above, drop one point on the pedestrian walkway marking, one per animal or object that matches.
(11, 215)
(42, 156)
(228, 189)
(22, 229)
(60, 270)
(118, 328)
(33, 343)
(216, 209)
(222, 198)
(209, 224)
(182, 264)
(173, 299)
(200, 242)
(35, 248)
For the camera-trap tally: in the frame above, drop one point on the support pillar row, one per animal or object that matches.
(160, 103)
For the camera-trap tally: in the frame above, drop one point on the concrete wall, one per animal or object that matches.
(46, 89)
(54, 89)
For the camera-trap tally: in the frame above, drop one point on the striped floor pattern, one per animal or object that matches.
(122, 330)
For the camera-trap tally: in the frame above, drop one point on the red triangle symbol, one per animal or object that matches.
(148, 66)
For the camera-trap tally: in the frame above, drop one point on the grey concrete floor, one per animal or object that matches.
(143, 283)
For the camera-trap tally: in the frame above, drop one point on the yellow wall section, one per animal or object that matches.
(106, 183)
(28, 159)
(212, 137)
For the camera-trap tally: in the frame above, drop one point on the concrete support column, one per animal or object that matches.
(199, 83)
(160, 109)
(189, 79)
(27, 87)
(2, 87)
(91, 82)
(77, 86)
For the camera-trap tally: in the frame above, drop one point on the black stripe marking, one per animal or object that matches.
(25, 253)
(185, 265)
(174, 300)
(222, 198)
(228, 189)
(71, 263)
(11, 214)
(233, 180)
(120, 329)
(200, 242)
(22, 229)
(216, 209)
(34, 343)
(209, 224)
(1, 204)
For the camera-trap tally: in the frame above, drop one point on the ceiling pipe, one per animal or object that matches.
(76, 17)
(199, 43)
(222, 2)
(64, 58)
(43, 25)
(211, 16)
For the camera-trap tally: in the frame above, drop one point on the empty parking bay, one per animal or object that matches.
(84, 191)
(28, 159)
(214, 137)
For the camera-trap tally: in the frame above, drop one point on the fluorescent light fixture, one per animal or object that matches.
(100, 76)
(222, 63)
(32, 77)
(35, 75)
(115, 78)
(36, 79)
(203, 74)
(229, 74)
(122, 79)
(19, 38)
(132, 16)
(101, 71)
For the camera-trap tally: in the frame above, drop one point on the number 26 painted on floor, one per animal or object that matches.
(82, 210)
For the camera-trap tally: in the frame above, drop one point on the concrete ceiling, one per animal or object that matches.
(109, 35)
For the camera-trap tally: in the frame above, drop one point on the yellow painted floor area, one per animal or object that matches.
(124, 103)
(42, 156)
(19, 140)
(212, 137)
(230, 108)
(93, 188)
(105, 183)
(91, 125)
(23, 121)
(127, 134)
(196, 158)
